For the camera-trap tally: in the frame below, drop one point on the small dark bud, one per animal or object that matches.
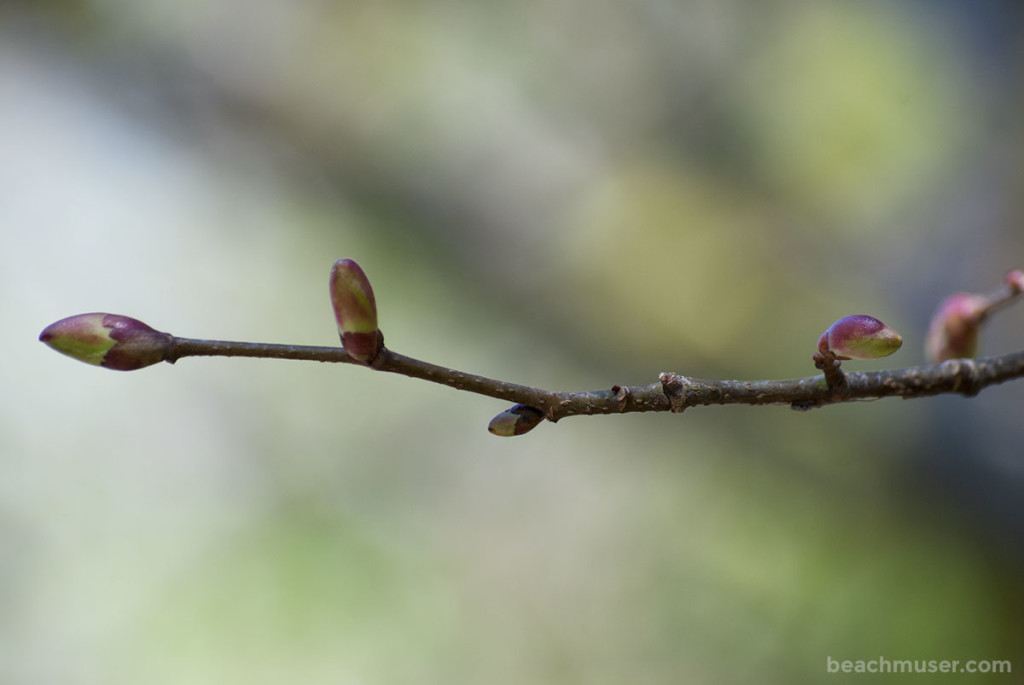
(515, 421)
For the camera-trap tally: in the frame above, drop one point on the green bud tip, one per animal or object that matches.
(355, 310)
(859, 337)
(108, 340)
(515, 421)
(953, 331)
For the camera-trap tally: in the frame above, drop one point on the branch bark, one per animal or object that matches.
(671, 392)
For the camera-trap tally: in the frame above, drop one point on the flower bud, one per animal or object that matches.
(515, 421)
(1015, 279)
(355, 310)
(109, 340)
(859, 337)
(953, 331)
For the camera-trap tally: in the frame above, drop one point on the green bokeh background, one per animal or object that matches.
(566, 194)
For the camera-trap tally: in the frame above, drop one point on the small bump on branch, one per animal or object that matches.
(672, 385)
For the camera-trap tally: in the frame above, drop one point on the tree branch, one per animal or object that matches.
(125, 344)
(672, 392)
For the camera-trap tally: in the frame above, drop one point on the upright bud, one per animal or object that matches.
(953, 331)
(515, 420)
(355, 310)
(859, 337)
(109, 340)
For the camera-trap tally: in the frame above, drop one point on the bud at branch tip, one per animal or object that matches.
(108, 340)
(1015, 279)
(955, 326)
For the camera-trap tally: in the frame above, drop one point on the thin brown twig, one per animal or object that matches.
(672, 392)
(998, 299)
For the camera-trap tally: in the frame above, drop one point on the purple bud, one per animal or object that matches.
(953, 331)
(859, 337)
(515, 421)
(109, 340)
(355, 310)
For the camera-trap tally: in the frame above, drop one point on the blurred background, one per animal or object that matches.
(562, 193)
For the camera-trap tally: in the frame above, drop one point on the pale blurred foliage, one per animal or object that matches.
(876, 124)
(561, 193)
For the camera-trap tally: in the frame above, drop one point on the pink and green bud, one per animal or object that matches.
(859, 337)
(355, 310)
(109, 340)
(515, 421)
(953, 331)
